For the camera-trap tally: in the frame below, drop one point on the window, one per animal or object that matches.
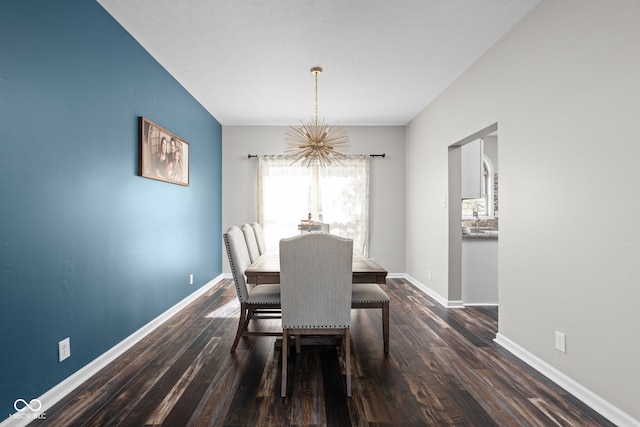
(337, 195)
(483, 206)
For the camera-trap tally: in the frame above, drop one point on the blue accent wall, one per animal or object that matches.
(88, 249)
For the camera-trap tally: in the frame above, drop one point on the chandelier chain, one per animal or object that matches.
(316, 75)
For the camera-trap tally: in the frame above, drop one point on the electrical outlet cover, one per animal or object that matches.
(64, 349)
(561, 343)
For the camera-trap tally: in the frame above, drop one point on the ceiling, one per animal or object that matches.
(248, 62)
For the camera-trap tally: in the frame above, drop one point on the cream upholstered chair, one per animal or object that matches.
(250, 239)
(371, 295)
(315, 287)
(255, 301)
(259, 232)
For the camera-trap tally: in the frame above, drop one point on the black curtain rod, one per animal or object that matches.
(383, 155)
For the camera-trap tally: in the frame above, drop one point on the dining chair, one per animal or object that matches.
(371, 295)
(256, 302)
(259, 232)
(315, 287)
(250, 239)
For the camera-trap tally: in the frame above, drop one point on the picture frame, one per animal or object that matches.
(164, 156)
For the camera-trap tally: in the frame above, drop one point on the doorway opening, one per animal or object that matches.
(473, 277)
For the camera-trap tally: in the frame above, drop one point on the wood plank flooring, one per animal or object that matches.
(443, 370)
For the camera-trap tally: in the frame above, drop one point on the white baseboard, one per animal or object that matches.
(480, 304)
(442, 301)
(55, 394)
(595, 402)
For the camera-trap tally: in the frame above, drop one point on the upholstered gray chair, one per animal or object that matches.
(259, 232)
(371, 295)
(315, 286)
(250, 239)
(255, 301)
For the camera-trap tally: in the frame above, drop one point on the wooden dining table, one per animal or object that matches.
(266, 270)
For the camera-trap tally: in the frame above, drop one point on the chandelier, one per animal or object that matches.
(315, 142)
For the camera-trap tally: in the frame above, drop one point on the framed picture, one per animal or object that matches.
(163, 155)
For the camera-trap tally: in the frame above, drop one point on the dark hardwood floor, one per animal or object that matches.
(443, 369)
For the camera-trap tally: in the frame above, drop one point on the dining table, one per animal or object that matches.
(266, 270)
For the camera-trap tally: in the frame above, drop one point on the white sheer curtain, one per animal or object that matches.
(344, 200)
(337, 195)
(283, 197)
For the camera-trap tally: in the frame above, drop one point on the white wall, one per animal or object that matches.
(566, 78)
(387, 185)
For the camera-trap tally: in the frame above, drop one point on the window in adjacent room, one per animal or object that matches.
(483, 207)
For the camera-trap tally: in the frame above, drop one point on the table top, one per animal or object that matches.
(266, 269)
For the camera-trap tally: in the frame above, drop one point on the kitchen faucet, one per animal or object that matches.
(475, 214)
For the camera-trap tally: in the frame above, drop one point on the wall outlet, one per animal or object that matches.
(191, 279)
(561, 342)
(429, 274)
(64, 349)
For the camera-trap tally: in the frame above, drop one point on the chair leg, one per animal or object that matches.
(347, 357)
(385, 326)
(285, 348)
(241, 326)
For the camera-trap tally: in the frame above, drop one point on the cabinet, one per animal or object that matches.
(479, 271)
(471, 166)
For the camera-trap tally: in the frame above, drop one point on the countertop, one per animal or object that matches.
(481, 233)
